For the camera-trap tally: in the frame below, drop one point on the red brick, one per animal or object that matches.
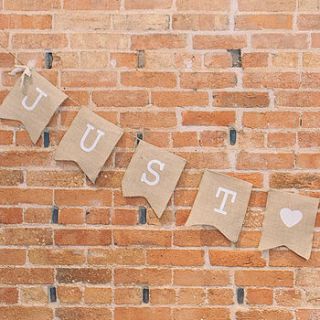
(175, 257)
(25, 158)
(290, 297)
(10, 177)
(148, 120)
(216, 160)
(268, 5)
(158, 41)
(98, 295)
(308, 160)
(142, 237)
(113, 98)
(55, 178)
(265, 161)
(88, 79)
(95, 198)
(213, 139)
(272, 120)
(26, 276)
(82, 237)
(71, 216)
(254, 60)
(127, 296)
(308, 22)
(27, 196)
(207, 118)
(206, 5)
(38, 215)
(119, 256)
(98, 216)
(148, 79)
(39, 41)
(218, 60)
(83, 313)
(289, 259)
(285, 80)
(26, 313)
(56, 256)
(162, 296)
(298, 99)
(200, 277)
(91, 5)
(142, 313)
(26, 236)
(99, 41)
(200, 313)
(264, 314)
(6, 59)
(220, 296)
(184, 139)
(308, 139)
(124, 217)
(240, 99)
(9, 295)
(35, 5)
(284, 180)
(279, 41)
(199, 22)
(315, 38)
(201, 80)
(281, 140)
(18, 21)
(259, 296)
(12, 257)
(85, 275)
(68, 294)
(263, 22)
(236, 258)
(219, 42)
(199, 238)
(264, 278)
(147, 4)
(10, 215)
(172, 99)
(149, 276)
(306, 314)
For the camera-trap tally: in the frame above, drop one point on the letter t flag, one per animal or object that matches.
(89, 142)
(222, 202)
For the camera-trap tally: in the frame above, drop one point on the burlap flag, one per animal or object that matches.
(289, 221)
(221, 202)
(89, 142)
(33, 100)
(153, 173)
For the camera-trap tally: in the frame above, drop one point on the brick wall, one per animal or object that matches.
(190, 88)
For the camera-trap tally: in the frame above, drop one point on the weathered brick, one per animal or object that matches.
(85, 275)
(264, 278)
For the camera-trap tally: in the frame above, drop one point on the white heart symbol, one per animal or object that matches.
(290, 217)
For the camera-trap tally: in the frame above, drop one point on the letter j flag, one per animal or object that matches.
(222, 202)
(32, 101)
(153, 173)
(89, 142)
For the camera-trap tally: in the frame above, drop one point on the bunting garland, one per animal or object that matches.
(153, 173)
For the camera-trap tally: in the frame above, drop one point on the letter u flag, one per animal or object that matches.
(221, 202)
(33, 103)
(89, 142)
(153, 173)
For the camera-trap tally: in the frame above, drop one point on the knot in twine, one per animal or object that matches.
(25, 69)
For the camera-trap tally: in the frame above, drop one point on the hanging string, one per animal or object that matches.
(26, 69)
